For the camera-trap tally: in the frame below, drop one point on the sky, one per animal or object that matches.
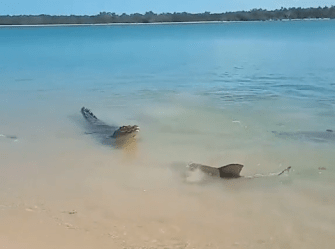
(93, 7)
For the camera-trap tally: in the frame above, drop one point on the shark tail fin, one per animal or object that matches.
(231, 170)
(88, 115)
(287, 169)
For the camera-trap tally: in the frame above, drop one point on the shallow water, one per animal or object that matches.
(207, 93)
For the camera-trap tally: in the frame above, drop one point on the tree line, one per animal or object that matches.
(151, 17)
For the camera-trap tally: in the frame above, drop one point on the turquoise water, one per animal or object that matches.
(292, 59)
(209, 93)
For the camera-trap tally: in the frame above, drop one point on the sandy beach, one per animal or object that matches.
(60, 189)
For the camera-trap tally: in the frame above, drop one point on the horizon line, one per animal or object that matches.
(162, 13)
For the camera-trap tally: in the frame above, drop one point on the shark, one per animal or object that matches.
(230, 171)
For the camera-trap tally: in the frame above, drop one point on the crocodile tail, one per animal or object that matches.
(88, 115)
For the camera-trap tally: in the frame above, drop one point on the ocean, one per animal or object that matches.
(261, 94)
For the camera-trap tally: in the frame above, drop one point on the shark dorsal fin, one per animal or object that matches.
(231, 170)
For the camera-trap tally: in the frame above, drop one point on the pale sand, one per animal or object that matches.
(59, 189)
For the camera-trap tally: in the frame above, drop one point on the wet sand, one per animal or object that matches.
(60, 189)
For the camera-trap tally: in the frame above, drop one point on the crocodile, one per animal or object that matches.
(108, 134)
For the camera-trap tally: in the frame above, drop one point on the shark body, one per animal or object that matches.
(230, 171)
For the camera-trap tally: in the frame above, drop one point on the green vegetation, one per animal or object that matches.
(150, 17)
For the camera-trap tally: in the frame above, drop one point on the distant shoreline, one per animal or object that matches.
(156, 23)
(108, 18)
